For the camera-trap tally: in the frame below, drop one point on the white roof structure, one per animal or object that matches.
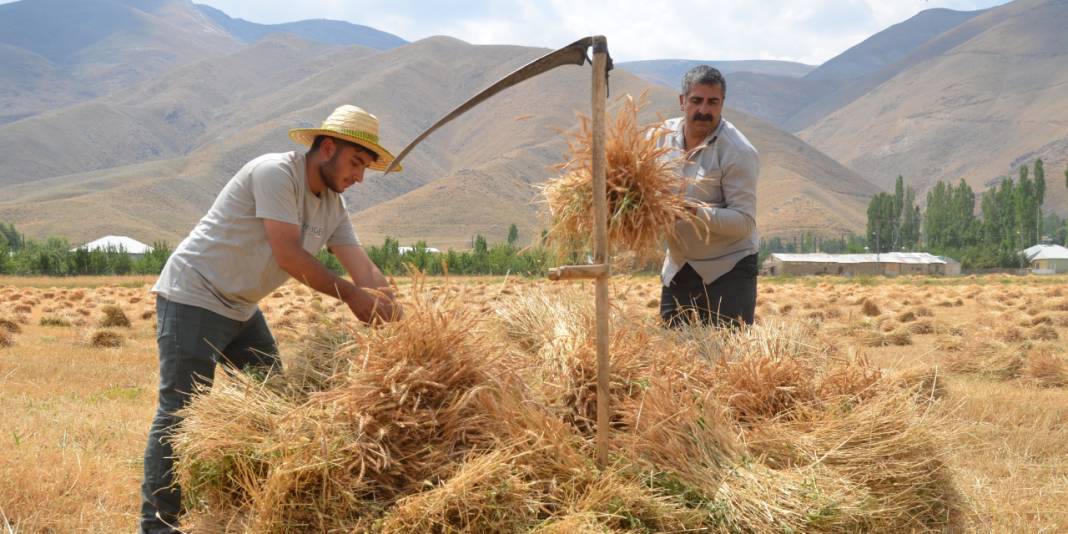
(117, 242)
(886, 257)
(1045, 252)
(407, 249)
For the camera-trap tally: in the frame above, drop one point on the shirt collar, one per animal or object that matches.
(680, 136)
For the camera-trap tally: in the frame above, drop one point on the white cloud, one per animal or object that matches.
(810, 31)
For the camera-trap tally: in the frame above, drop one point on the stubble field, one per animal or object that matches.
(77, 386)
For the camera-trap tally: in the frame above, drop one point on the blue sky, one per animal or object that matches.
(810, 31)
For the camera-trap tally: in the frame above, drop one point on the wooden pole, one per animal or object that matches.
(600, 244)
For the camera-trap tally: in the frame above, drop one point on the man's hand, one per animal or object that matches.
(371, 305)
(375, 298)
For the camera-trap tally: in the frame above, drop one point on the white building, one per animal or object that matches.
(406, 249)
(1046, 259)
(892, 263)
(133, 247)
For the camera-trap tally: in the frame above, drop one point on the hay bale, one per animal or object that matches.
(113, 317)
(105, 339)
(645, 202)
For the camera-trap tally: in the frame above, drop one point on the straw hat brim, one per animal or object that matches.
(306, 136)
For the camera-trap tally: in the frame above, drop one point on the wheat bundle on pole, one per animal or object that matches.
(645, 196)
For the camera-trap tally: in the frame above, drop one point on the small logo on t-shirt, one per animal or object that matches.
(317, 230)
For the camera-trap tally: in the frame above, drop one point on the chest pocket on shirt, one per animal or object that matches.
(312, 237)
(708, 183)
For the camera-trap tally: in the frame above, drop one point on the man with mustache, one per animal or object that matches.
(710, 269)
(264, 227)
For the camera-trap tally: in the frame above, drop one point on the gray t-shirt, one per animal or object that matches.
(226, 264)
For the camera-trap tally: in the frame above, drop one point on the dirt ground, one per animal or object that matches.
(76, 415)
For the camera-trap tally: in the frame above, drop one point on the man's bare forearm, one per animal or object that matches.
(308, 271)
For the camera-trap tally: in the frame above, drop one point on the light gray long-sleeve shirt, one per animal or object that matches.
(722, 178)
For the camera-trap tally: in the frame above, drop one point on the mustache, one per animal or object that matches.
(704, 117)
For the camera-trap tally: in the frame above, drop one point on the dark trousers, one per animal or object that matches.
(189, 340)
(729, 300)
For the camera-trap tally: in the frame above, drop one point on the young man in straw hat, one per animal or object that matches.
(710, 269)
(265, 226)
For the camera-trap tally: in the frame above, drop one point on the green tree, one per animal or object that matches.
(881, 223)
(513, 234)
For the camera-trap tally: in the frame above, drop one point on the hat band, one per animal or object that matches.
(366, 136)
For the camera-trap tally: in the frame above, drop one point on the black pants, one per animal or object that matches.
(729, 300)
(189, 338)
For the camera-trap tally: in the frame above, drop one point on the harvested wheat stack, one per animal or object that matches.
(1010, 334)
(488, 493)
(105, 339)
(927, 384)
(1040, 319)
(1043, 332)
(1046, 369)
(645, 201)
(10, 326)
(990, 359)
(430, 425)
(54, 320)
(911, 490)
(897, 337)
(113, 317)
(413, 403)
(6, 338)
(574, 388)
(536, 320)
(923, 326)
(906, 317)
(870, 308)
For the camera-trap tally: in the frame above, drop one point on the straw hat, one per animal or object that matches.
(351, 124)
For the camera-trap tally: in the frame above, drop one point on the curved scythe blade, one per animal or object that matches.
(572, 54)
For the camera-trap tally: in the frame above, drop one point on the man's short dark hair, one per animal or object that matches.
(340, 143)
(703, 75)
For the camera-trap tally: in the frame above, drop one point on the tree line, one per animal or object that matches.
(981, 231)
(1009, 219)
(55, 256)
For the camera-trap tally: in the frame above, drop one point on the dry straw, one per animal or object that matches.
(646, 197)
(108, 339)
(113, 317)
(443, 423)
(11, 327)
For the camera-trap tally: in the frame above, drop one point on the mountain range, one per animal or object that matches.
(132, 125)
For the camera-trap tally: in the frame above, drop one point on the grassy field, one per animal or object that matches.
(76, 415)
